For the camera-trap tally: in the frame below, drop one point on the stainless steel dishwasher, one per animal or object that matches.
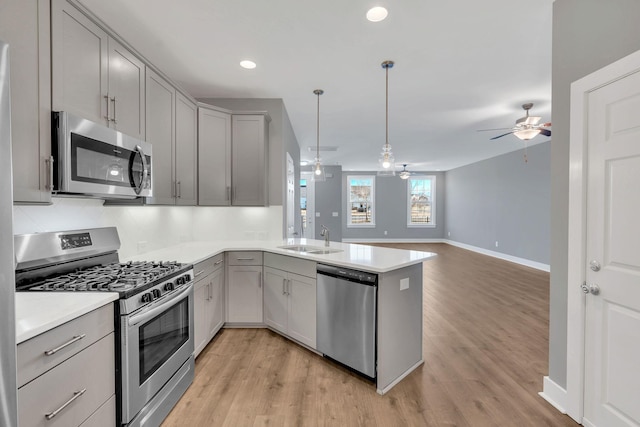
(346, 313)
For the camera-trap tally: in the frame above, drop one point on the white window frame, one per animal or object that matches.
(431, 178)
(371, 224)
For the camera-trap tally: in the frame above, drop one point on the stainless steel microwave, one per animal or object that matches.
(93, 160)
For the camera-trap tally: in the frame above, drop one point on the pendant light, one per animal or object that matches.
(387, 166)
(318, 169)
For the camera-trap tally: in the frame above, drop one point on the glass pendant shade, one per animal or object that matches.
(318, 172)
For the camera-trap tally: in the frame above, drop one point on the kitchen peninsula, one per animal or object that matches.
(399, 298)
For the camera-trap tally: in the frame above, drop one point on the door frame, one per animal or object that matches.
(576, 261)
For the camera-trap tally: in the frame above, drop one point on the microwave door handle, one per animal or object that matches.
(154, 309)
(145, 169)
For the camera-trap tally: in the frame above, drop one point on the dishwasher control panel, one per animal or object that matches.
(348, 274)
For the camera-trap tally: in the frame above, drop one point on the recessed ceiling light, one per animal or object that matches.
(377, 14)
(303, 163)
(249, 65)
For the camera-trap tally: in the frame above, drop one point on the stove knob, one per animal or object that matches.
(180, 281)
(156, 293)
(148, 297)
(169, 286)
(187, 278)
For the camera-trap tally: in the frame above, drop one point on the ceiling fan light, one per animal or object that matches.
(404, 174)
(526, 134)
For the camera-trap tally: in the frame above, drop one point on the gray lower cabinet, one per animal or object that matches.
(25, 25)
(209, 300)
(66, 376)
(290, 297)
(244, 287)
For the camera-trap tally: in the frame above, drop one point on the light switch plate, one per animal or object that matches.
(334, 213)
(404, 284)
(318, 214)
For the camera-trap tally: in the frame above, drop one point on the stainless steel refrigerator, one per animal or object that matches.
(8, 391)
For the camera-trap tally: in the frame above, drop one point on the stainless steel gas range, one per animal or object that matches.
(154, 314)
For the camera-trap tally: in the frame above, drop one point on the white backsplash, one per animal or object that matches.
(146, 228)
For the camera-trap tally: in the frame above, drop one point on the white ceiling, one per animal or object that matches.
(460, 66)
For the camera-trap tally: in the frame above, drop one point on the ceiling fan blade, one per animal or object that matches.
(545, 125)
(485, 130)
(500, 136)
(545, 132)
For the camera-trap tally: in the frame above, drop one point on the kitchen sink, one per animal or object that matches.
(316, 250)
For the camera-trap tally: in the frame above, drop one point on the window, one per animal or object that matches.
(421, 203)
(361, 191)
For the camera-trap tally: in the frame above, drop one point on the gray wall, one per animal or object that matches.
(328, 200)
(391, 210)
(587, 35)
(502, 199)
(282, 139)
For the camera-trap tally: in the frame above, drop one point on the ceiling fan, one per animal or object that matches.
(526, 127)
(404, 173)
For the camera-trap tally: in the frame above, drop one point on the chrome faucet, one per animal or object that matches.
(325, 233)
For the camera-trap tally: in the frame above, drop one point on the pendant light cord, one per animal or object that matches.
(387, 109)
(318, 129)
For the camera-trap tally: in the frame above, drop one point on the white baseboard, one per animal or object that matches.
(554, 394)
(506, 257)
(382, 240)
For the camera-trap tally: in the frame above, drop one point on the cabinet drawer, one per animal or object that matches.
(105, 416)
(92, 370)
(32, 354)
(208, 266)
(291, 264)
(244, 258)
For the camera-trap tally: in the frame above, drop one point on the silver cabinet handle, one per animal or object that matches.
(198, 273)
(178, 190)
(228, 193)
(114, 110)
(106, 97)
(218, 262)
(49, 171)
(284, 292)
(76, 338)
(245, 259)
(289, 287)
(76, 394)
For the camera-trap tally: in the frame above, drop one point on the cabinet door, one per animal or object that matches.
(214, 158)
(249, 179)
(160, 125)
(216, 302)
(276, 299)
(25, 25)
(79, 63)
(245, 294)
(302, 309)
(186, 159)
(126, 90)
(200, 309)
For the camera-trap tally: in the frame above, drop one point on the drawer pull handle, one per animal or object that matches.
(245, 259)
(76, 394)
(198, 273)
(218, 262)
(71, 341)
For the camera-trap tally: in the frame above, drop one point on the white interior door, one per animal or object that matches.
(612, 324)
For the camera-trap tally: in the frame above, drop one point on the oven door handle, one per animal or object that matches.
(154, 309)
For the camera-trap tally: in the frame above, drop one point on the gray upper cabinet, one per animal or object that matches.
(93, 75)
(186, 156)
(249, 178)
(171, 127)
(214, 157)
(160, 123)
(25, 25)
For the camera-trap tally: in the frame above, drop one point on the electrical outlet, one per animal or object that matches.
(404, 284)
(385, 232)
(448, 234)
(317, 214)
(334, 214)
(496, 243)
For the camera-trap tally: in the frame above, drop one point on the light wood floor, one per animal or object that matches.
(485, 348)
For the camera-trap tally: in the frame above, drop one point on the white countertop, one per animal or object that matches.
(38, 312)
(363, 257)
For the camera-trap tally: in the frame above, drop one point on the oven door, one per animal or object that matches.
(95, 160)
(156, 341)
